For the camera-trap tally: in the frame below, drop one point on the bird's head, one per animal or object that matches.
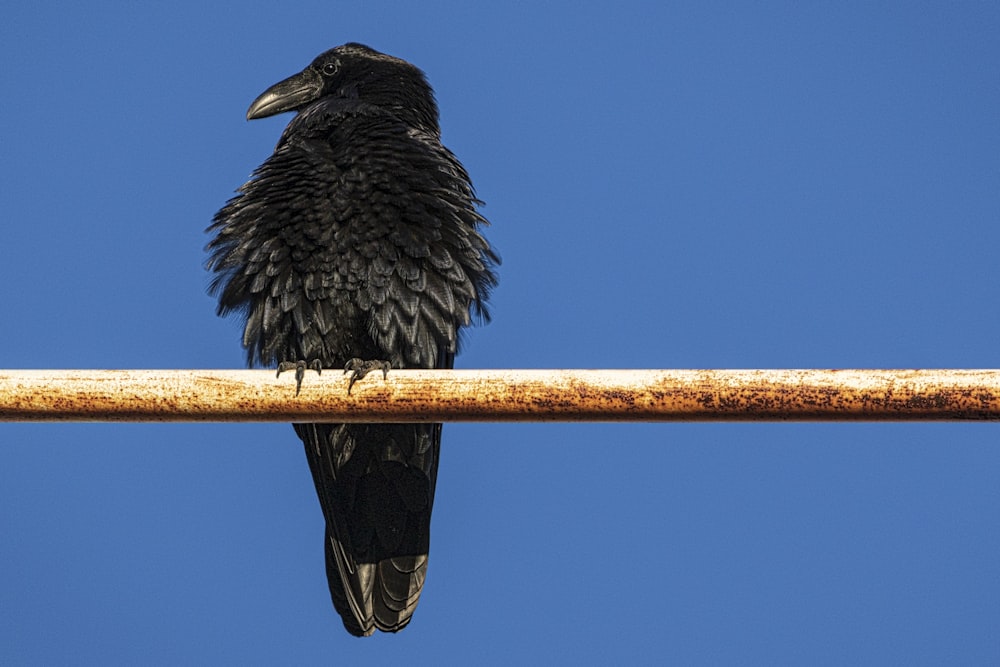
(354, 71)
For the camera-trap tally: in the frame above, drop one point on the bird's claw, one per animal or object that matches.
(300, 368)
(358, 368)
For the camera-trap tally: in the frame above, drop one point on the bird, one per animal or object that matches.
(358, 245)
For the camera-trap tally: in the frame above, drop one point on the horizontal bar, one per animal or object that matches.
(500, 395)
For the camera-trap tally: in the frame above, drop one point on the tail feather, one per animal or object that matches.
(375, 483)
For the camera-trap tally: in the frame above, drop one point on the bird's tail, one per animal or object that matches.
(383, 595)
(375, 483)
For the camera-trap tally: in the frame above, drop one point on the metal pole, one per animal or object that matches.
(501, 395)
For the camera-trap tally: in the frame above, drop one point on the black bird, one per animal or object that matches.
(357, 245)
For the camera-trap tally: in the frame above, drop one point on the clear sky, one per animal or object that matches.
(671, 185)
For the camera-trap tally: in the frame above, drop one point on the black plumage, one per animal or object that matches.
(358, 238)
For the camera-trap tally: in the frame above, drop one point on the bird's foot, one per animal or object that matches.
(300, 368)
(358, 368)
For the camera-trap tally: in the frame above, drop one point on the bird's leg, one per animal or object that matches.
(300, 367)
(360, 368)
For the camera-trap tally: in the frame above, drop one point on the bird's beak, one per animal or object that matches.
(287, 95)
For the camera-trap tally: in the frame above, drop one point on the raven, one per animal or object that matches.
(357, 245)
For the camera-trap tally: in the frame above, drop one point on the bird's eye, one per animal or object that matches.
(330, 69)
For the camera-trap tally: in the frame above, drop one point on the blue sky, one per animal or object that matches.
(671, 185)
